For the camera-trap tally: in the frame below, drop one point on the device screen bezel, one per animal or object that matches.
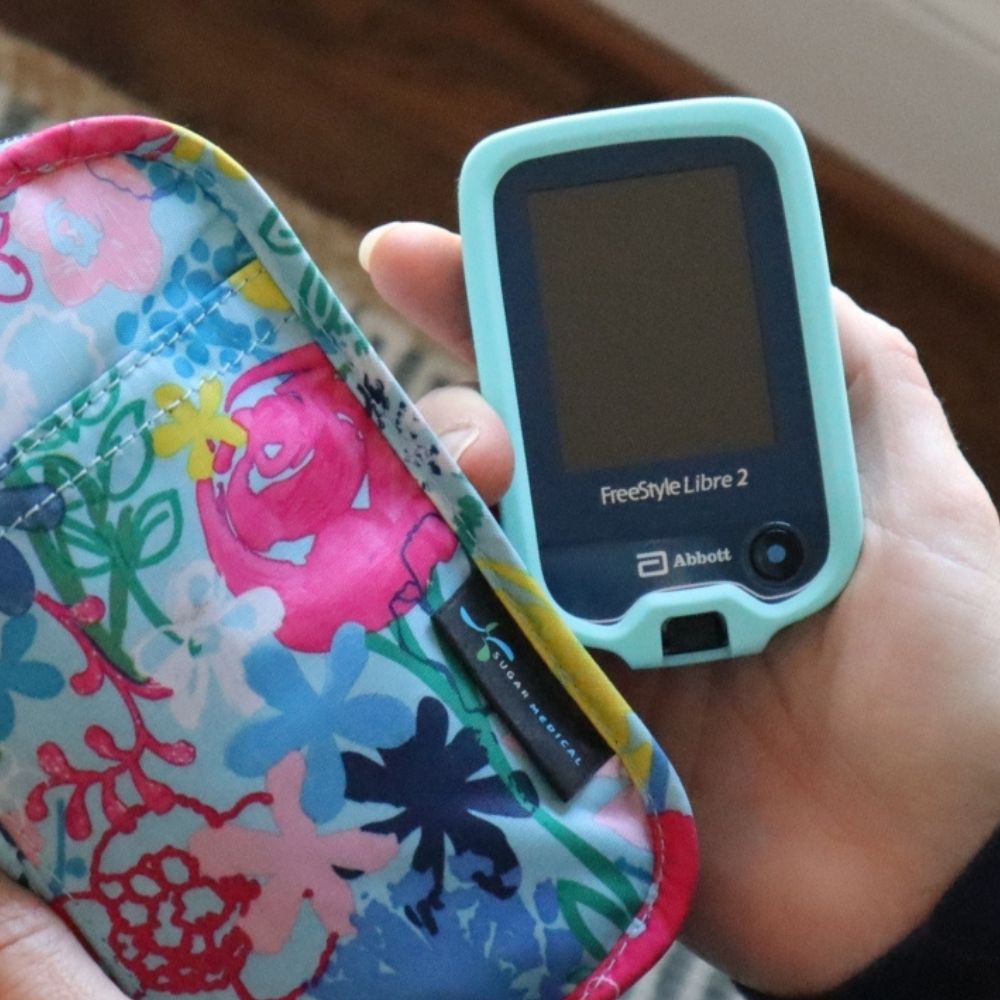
(787, 478)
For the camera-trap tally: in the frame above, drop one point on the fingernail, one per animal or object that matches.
(458, 439)
(368, 243)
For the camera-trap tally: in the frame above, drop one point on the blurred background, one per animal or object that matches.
(356, 112)
(365, 108)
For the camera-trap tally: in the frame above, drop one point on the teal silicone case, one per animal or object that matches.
(751, 622)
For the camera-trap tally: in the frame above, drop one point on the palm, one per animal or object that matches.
(830, 774)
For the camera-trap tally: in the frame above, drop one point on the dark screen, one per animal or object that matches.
(648, 302)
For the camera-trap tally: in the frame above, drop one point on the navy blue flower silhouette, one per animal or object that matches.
(431, 782)
(32, 508)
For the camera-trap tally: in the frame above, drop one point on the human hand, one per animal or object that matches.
(40, 958)
(842, 778)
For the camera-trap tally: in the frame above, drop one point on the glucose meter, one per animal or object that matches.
(650, 304)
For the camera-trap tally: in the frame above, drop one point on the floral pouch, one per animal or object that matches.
(281, 713)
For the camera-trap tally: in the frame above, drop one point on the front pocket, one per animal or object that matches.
(78, 484)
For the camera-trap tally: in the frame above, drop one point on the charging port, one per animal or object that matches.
(694, 634)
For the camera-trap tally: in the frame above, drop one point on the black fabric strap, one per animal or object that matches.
(955, 954)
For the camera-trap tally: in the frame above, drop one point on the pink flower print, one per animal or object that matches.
(15, 278)
(295, 864)
(625, 814)
(24, 160)
(317, 506)
(90, 225)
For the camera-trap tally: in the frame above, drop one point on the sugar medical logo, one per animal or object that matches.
(500, 654)
(520, 687)
(484, 651)
(494, 650)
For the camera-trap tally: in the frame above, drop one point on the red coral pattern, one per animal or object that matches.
(124, 762)
(175, 929)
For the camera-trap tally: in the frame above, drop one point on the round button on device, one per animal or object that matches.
(776, 553)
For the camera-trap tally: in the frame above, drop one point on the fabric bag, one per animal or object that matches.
(281, 714)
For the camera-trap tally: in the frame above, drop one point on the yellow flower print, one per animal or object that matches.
(258, 287)
(194, 426)
(191, 147)
(571, 663)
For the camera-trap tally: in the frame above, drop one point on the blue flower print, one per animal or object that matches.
(168, 181)
(32, 508)
(28, 677)
(564, 957)
(312, 722)
(193, 279)
(431, 782)
(482, 948)
(17, 583)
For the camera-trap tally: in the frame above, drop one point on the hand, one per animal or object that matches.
(40, 959)
(843, 778)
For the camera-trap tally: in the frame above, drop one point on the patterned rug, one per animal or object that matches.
(38, 88)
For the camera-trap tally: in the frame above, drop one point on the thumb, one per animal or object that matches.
(40, 958)
(474, 434)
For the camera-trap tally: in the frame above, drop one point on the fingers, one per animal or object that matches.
(865, 336)
(40, 959)
(474, 434)
(891, 398)
(909, 460)
(914, 478)
(417, 269)
(900, 429)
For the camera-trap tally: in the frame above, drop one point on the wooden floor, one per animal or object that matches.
(367, 107)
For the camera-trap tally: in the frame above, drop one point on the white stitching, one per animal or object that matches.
(602, 974)
(66, 414)
(108, 455)
(47, 168)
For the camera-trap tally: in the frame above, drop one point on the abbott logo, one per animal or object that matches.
(649, 564)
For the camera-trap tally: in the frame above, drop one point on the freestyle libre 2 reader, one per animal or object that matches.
(651, 309)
